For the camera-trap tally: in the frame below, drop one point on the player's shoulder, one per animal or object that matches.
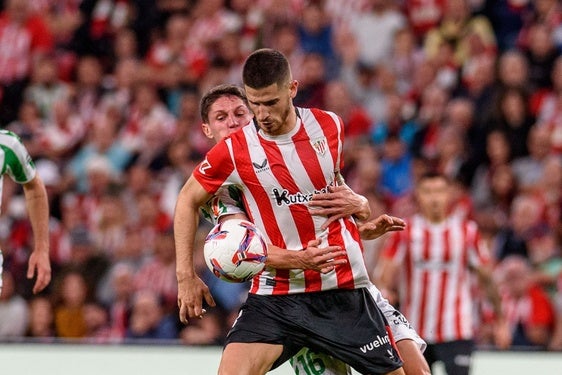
(9, 138)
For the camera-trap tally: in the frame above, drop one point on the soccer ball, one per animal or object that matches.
(235, 250)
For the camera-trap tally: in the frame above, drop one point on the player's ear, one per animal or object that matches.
(293, 88)
(207, 130)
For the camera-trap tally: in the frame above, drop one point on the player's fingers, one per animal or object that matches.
(183, 312)
(330, 220)
(209, 299)
(43, 279)
(313, 243)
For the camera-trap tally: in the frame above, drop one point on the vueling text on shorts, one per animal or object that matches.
(379, 341)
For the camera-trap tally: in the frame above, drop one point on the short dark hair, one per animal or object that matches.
(264, 67)
(218, 92)
(431, 174)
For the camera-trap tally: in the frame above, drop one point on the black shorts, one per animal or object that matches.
(346, 324)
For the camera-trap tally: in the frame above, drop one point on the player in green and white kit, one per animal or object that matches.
(17, 164)
(223, 111)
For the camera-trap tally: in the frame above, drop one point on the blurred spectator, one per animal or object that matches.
(430, 122)
(147, 118)
(540, 52)
(381, 19)
(507, 18)
(498, 155)
(316, 36)
(116, 291)
(524, 217)
(98, 329)
(396, 123)
(466, 33)
(45, 89)
(24, 39)
(14, 311)
(171, 59)
(356, 120)
(109, 230)
(512, 116)
(208, 331)
(528, 169)
(148, 321)
(527, 307)
(312, 85)
(103, 150)
(396, 169)
(158, 273)
(424, 15)
(71, 293)
(41, 319)
(87, 89)
(101, 20)
(549, 108)
(406, 57)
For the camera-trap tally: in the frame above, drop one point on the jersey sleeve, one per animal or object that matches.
(227, 201)
(17, 161)
(214, 171)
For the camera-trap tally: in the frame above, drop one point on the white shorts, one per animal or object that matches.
(400, 326)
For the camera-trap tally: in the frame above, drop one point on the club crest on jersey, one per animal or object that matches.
(320, 145)
(204, 166)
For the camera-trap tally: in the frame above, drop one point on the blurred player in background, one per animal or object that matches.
(432, 261)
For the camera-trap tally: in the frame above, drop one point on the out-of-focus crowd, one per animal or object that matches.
(105, 94)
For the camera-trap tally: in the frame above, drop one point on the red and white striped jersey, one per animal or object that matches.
(435, 285)
(277, 177)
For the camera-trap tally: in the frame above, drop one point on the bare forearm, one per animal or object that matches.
(38, 210)
(282, 258)
(186, 221)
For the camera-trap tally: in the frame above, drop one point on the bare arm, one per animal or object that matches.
(191, 289)
(502, 333)
(38, 210)
(377, 227)
(322, 260)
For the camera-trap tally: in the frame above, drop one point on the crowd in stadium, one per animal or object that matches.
(105, 96)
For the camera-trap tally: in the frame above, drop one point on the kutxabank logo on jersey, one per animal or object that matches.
(284, 198)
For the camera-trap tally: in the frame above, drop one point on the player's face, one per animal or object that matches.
(273, 107)
(226, 115)
(433, 195)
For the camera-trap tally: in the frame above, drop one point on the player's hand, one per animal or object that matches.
(191, 292)
(338, 202)
(39, 266)
(322, 260)
(381, 225)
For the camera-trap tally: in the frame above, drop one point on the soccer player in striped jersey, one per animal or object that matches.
(224, 110)
(278, 166)
(431, 261)
(17, 164)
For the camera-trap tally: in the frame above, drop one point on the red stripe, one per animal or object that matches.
(460, 280)
(443, 285)
(425, 276)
